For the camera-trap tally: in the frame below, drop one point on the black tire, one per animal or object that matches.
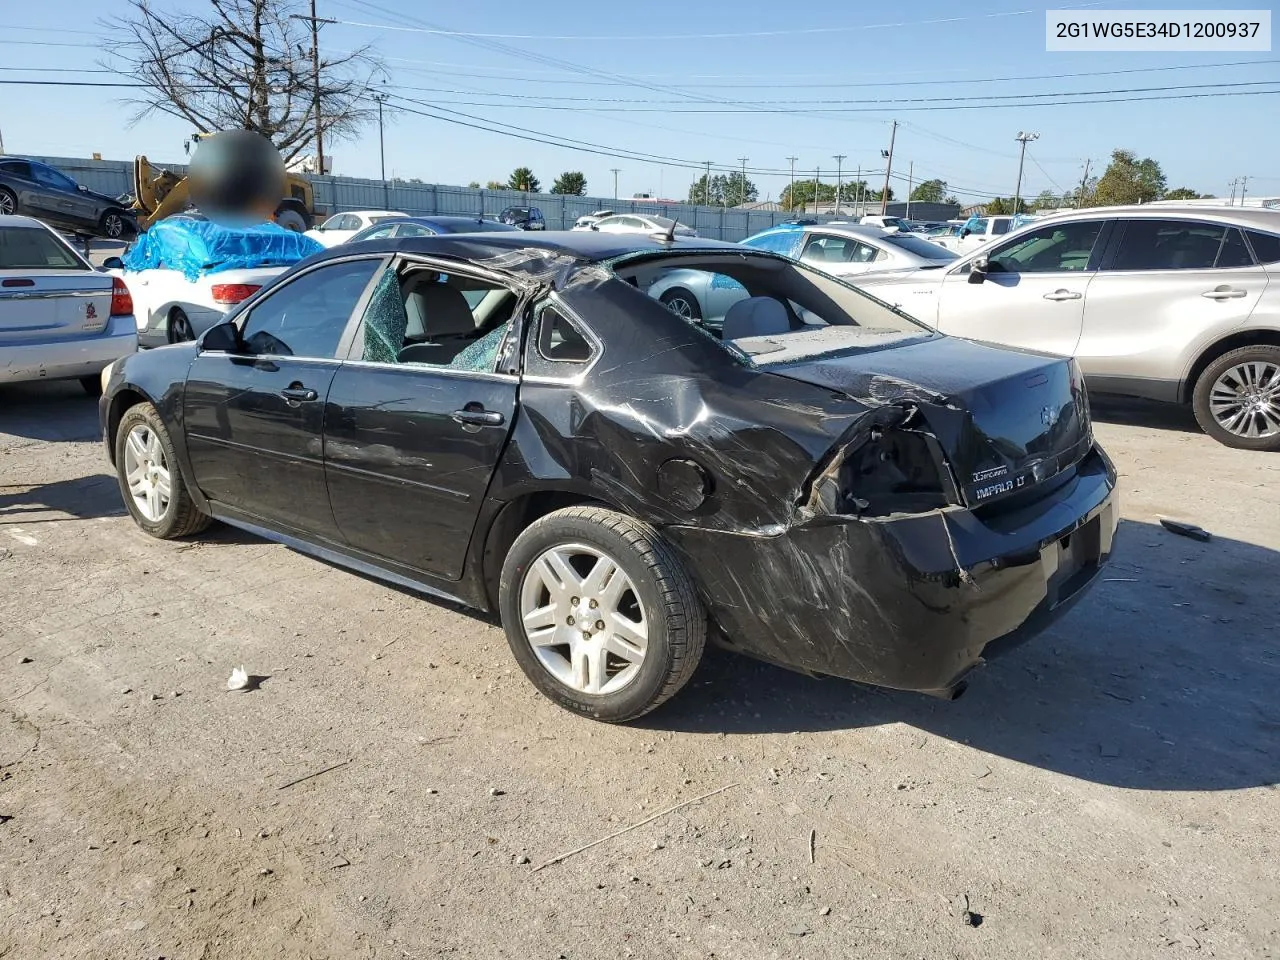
(677, 621)
(1200, 399)
(178, 329)
(181, 517)
(291, 219)
(92, 385)
(677, 295)
(113, 225)
(8, 202)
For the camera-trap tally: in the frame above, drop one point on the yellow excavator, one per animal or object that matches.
(159, 193)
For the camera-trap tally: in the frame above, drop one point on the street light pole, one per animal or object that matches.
(857, 194)
(888, 167)
(1024, 139)
(615, 172)
(911, 182)
(791, 193)
(817, 182)
(839, 159)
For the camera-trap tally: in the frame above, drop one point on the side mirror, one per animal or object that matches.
(113, 263)
(965, 232)
(978, 270)
(225, 338)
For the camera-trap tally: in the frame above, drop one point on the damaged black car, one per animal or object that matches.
(511, 422)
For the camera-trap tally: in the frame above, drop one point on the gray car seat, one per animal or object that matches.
(756, 317)
(441, 314)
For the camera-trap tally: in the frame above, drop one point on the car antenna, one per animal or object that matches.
(670, 235)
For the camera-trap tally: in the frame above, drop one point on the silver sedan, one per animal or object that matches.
(843, 250)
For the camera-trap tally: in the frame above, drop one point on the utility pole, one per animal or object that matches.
(1244, 182)
(1024, 139)
(817, 182)
(1084, 183)
(315, 22)
(857, 195)
(911, 180)
(382, 153)
(706, 186)
(743, 186)
(888, 167)
(791, 194)
(1232, 202)
(839, 159)
(615, 171)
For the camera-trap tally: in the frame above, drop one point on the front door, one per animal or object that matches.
(1034, 292)
(418, 418)
(64, 199)
(254, 420)
(1166, 282)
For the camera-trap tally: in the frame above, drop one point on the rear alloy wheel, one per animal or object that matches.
(8, 203)
(111, 225)
(1237, 398)
(149, 477)
(600, 613)
(180, 326)
(682, 303)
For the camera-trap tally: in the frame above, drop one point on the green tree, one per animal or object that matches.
(930, 191)
(1047, 200)
(953, 200)
(522, 178)
(707, 191)
(1128, 180)
(803, 194)
(571, 183)
(1002, 206)
(473, 185)
(738, 190)
(495, 185)
(876, 195)
(1185, 193)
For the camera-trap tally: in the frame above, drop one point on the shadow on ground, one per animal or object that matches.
(84, 498)
(1144, 413)
(1164, 678)
(54, 411)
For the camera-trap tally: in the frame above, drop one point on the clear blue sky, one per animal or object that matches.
(578, 55)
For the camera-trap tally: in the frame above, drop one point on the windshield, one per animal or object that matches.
(389, 216)
(920, 247)
(34, 248)
(767, 310)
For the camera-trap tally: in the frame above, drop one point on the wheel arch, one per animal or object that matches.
(1233, 341)
(122, 400)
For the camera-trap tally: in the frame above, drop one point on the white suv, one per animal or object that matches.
(1179, 304)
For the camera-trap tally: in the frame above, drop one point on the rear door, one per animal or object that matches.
(410, 445)
(254, 419)
(1034, 293)
(47, 292)
(1164, 286)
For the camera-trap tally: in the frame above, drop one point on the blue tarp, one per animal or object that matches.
(202, 246)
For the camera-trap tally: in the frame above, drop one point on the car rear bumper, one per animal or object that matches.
(912, 602)
(71, 358)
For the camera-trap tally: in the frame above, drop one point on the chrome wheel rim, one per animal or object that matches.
(114, 226)
(681, 307)
(1245, 399)
(584, 619)
(146, 472)
(7, 205)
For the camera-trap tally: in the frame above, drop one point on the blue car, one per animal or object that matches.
(395, 227)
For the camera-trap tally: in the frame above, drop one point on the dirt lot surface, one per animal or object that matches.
(1108, 790)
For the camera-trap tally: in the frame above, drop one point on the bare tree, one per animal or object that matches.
(245, 65)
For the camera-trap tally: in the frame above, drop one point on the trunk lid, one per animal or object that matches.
(1006, 420)
(45, 305)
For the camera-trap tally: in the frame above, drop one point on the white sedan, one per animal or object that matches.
(170, 308)
(60, 319)
(640, 223)
(341, 227)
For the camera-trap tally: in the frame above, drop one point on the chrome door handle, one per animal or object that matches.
(1224, 293)
(1063, 295)
(297, 393)
(477, 416)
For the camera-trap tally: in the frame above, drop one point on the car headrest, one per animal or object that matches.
(755, 317)
(442, 310)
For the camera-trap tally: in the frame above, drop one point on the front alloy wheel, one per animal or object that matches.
(149, 477)
(600, 613)
(112, 226)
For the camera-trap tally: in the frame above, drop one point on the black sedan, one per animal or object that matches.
(511, 422)
(41, 191)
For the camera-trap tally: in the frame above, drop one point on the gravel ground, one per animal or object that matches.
(1108, 790)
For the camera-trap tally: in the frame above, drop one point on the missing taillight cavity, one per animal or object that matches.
(121, 299)
(234, 292)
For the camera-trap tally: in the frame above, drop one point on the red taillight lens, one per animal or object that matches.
(234, 292)
(121, 299)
